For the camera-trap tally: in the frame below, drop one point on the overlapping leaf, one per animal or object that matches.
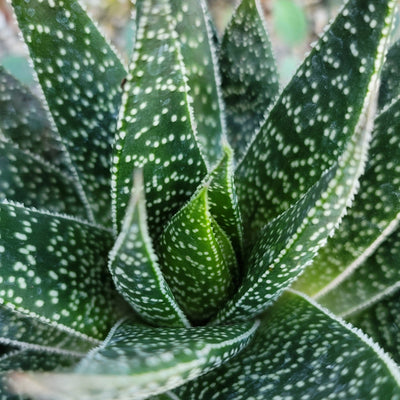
(197, 259)
(390, 86)
(316, 114)
(200, 60)
(80, 76)
(248, 71)
(30, 180)
(53, 268)
(301, 351)
(156, 128)
(373, 216)
(137, 361)
(135, 267)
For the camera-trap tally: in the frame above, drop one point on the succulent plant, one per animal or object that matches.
(182, 228)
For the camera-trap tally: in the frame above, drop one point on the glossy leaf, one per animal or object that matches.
(28, 179)
(301, 351)
(373, 216)
(249, 78)
(195, 256)
(53, 268)
(156, 128)
(316, 114)
(200, 60)
(137, 361)
(135, 268)
(381, 321)
(390, 86)
(80, 76)
(24, 121)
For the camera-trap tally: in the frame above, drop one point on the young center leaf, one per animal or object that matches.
(136, 361)
(316, 114)
(80, 76)
(156, 130)
(301, 351)
(249, 79)
(135, 267)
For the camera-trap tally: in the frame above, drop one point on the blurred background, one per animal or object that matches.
(292, 24)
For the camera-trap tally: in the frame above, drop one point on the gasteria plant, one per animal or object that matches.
(154, 219)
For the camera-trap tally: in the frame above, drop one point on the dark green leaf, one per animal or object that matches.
(390, 81)
(316, 114)
(199, 57)
(53, 267)
(373, 216)
(382, 322)
(80, 76)
(135, 267)
(156, 130)
(195, 257)
(28, 179)
(248, 72)
(137, 361)
(301, 352)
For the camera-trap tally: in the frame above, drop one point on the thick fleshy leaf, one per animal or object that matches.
(195, 257)
(373, 216)
(290, 242)
(135, 267)
(223, 200)
(382, 321)
(53, 267)
(137, 361)
(24, 120)
(200, 60)
(249, 78)
(316, 114)
(28, 179)
(376, 278)
(301, 352)
(80, 76)
(156, 129)
(18, 329)
(390, 85)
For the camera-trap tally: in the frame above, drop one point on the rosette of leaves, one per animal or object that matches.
(154, 217)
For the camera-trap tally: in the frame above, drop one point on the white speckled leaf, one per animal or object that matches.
(381, 321)
(20, 330)
(375, 279)
(316, 114)
(24, 120)
(138, 361)
(301, 352)
(156, 130)
(248, 74)
(199, 56)
(223, 201)
(290, 242)
(28, 179)
(53, 267)
(390, 81)
(196, 259)
(80, 76)
(373, 216)
(135, 268)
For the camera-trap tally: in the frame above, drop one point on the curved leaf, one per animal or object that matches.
(135, 269)
(195, 257)
(316, 114)
(156, 129)
(27, 179)
(301, 351)
(53, 268)
(80, 76)
(249, 78)
(137, 361)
